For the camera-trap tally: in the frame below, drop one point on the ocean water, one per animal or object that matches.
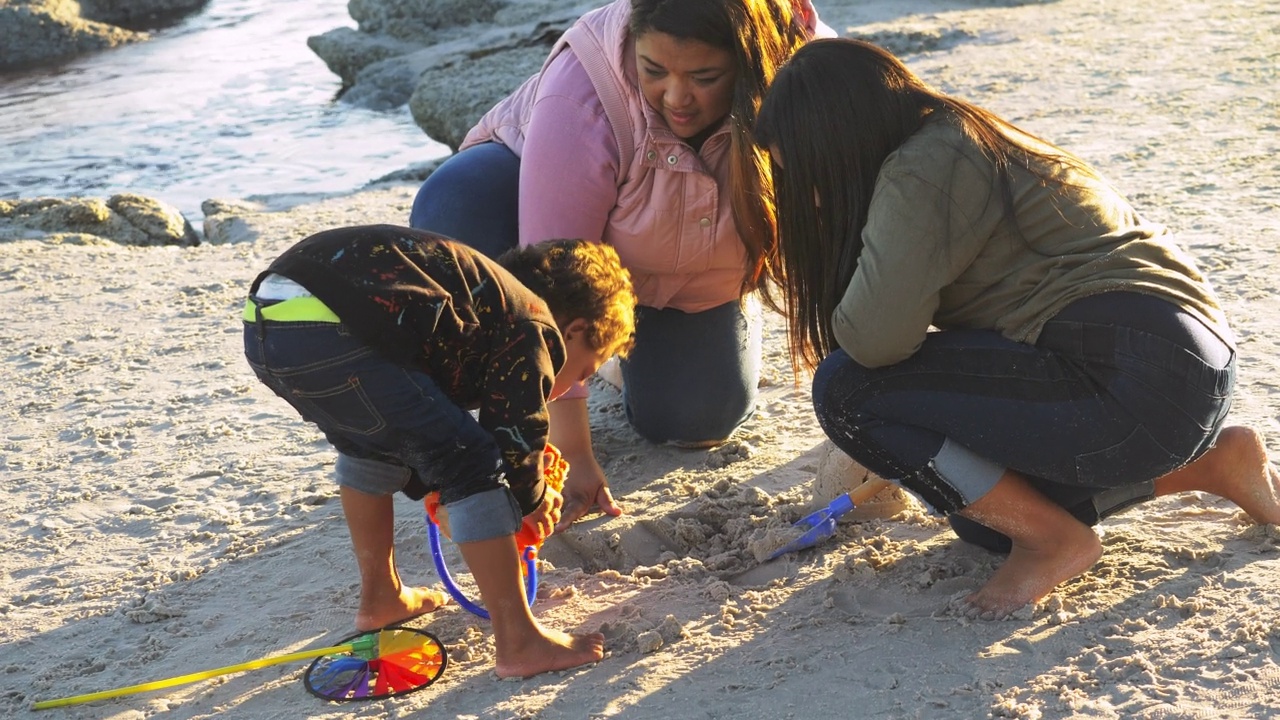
(230, 103)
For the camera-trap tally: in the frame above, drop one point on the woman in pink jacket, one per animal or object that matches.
(637, 132)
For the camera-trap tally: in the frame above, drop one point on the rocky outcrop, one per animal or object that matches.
(419, 20)
(449, 60)
(139, 14)
(448, 100)
(36, 31)
(33, 32)
(125, 219)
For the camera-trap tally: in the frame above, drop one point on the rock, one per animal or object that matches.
(347, 51)
(416, 19)
(228, 230)
(449, 100)
(159, 222)
(139, 14)
(649, 641)
(35, 32)
(226, 223)
(40, 31)
(450, 60)
(126, 219)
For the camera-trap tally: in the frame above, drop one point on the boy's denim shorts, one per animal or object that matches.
(393, 427)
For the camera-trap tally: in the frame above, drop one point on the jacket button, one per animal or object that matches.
(705, 222)
(672, 159)
(650, 155)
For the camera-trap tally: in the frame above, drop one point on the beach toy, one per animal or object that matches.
(370, 665)
(404, 660)
(821, 524)
(555, 470)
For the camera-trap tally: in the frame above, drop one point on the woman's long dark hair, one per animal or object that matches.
(835, 111)
(761, 35)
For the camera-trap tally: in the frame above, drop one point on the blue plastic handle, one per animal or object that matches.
(820, 524)
(530, 582)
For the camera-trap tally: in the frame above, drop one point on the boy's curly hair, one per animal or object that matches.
(580, 279)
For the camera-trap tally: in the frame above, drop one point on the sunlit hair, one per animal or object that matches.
(580, 279)
(760, 35)
(835, 111)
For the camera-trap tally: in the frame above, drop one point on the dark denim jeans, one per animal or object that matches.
(474, 198)
(1119, 390)
(371, 409)
(691, 378)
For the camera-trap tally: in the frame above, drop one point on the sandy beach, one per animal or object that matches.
(163, 513)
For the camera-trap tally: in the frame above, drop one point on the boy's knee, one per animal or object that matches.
(484, 516)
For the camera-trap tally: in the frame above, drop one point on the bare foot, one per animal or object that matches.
(547, 651)
(377, 613)
(1236, 468)
(1031, 571)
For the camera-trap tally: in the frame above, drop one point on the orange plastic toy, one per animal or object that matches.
(555, 469)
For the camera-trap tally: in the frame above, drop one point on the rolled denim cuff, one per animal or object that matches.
(484, 516)
(1109, 502)
(970, 474)
(374, 477)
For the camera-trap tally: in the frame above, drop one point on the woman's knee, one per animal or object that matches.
(681, 419)
(473, 197)
(692, 377)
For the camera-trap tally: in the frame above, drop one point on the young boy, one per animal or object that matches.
(385, 337)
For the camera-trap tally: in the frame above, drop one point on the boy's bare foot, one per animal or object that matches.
(547, 651)
(1030, 572)
(376, 613)
(1235, 468)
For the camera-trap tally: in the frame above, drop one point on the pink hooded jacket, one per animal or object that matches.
(598, 162)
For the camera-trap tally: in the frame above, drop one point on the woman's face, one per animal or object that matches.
(688, 81)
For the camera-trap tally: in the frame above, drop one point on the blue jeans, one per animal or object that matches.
(474, 198)
(1119, 390)
(393, 427)
(691, 377)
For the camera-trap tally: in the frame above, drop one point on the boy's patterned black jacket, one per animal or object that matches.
(427, 302)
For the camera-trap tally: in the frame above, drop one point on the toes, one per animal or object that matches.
(973, 608)
(437, 599)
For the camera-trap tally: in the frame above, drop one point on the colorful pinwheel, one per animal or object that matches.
(404, 660)
(383, 663)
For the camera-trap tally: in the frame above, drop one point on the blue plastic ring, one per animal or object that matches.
(530, 583)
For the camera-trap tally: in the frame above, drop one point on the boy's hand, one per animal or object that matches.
(586, 489)
(543, 520)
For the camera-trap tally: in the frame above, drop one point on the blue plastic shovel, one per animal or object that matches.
(821, 524)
